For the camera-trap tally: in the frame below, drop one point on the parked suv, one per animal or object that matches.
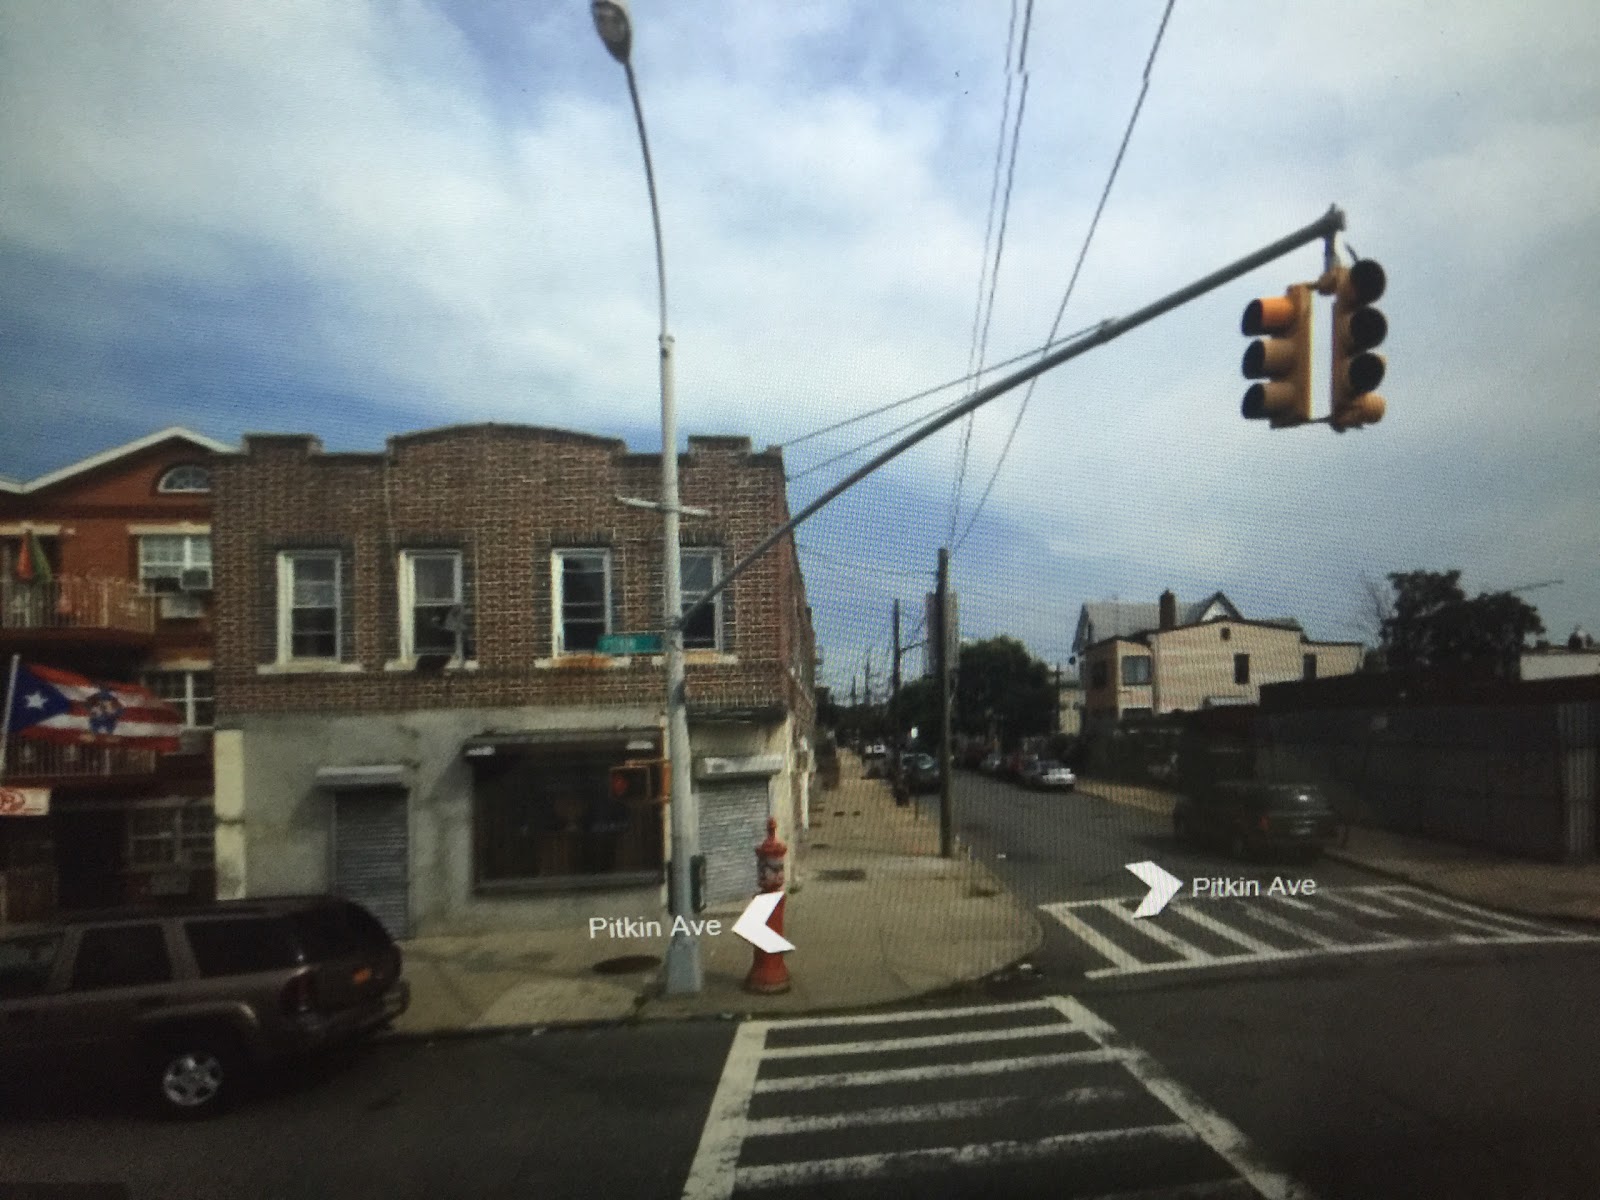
(189, 1001)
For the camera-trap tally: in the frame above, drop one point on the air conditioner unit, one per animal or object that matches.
(195, 579)
(182, 607)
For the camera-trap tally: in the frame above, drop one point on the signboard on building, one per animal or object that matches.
(24, 802)
(630, 643)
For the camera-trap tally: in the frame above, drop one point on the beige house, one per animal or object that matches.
(1149, 660)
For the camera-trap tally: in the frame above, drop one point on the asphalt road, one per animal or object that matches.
(1229, 1055)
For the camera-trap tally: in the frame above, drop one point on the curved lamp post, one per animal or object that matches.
(684, 973)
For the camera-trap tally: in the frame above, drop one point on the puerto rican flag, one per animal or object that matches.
(58, 706)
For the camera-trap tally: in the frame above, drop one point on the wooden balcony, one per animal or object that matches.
(35, 760)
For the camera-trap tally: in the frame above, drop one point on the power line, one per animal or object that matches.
(1077, 268)
(974, 353)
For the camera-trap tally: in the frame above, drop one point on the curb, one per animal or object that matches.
(1543, 913)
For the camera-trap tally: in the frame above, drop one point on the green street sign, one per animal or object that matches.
(630, 643)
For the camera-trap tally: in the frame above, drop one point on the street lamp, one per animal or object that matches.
(685, 974)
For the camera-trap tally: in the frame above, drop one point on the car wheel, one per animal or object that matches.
(195, 1075)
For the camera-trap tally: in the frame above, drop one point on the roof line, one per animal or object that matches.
(107, 456)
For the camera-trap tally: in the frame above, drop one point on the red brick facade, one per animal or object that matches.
(506, 497)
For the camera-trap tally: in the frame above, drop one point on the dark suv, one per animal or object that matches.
(188, 1001)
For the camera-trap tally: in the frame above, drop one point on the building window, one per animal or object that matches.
(1226, 632)
(190, 692)
(553, 815)
(1241, 668)
(175, 562)
(171, 837)
(582, 600)
(432, 604)
(701, 570)
(1308, 666)
(1136, 670)
(1098, 675)
(309, 595)
(185, 477)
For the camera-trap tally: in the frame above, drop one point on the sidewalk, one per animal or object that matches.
(876, 916)
(1537, 889)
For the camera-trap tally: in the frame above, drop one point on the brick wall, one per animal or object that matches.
(506, 497)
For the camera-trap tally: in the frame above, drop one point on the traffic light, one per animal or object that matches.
(1280, 355)
(639, 781)
(1357, 328)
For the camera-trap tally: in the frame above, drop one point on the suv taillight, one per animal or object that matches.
(300, 995)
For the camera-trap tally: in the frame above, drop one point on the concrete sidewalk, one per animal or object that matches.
(875, 914)
(1479, 876)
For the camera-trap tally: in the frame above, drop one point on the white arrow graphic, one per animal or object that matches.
(1163, 887)
(752, 925)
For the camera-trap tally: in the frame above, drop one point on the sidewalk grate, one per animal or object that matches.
(843, 874)
(628, 964)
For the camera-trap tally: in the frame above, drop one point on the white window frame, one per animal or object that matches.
(408, 600)
(557, 600)
(164, 484)
(286, 560)
(715, 555)
(191, 694)
(190, 559)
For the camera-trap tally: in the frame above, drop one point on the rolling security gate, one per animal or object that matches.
(733, 822)
(372, 853)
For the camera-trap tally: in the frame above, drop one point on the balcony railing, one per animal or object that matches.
(76, 602)
(31, 758)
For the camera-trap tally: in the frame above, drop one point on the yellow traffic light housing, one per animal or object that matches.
(1281, 356)
(1357, 328)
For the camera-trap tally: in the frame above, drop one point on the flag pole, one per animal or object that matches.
(5, 714)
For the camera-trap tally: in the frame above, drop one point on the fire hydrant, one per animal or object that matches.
(768, 972)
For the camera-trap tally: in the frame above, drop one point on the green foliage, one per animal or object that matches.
(1433, 625)
(1003, 688)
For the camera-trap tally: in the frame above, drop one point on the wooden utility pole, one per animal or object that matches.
(896, 781)
(947, 818)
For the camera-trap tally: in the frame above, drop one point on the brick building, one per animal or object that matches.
(114, 584)
(1141, 660)
(414, 708)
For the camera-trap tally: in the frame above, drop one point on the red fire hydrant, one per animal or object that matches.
(768, 972)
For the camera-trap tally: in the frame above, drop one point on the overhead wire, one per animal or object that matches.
(987, 274)
(1083, 252)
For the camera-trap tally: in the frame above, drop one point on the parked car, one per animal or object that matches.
(875, 760)
(188, 1002)
(1248, 818)
(1019, 766)
(991, 763)
(1053, 777)
(921, 773)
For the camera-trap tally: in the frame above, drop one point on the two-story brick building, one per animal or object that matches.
(1155, 659)
(105, 571)
(414, 706)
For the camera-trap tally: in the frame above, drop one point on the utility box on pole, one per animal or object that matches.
(931, 618)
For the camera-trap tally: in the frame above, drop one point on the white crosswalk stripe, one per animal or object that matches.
(957, 1097)
(1333, 921)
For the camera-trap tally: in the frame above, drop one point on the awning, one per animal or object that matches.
(370, 776)
(633, 741)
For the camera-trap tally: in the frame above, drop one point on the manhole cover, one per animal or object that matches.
(628, 964)
(843, 874)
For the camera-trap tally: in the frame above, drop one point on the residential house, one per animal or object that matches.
(1579, 656)
(1154, 659)
(105, 572)
(420, 701)
(1069, 706)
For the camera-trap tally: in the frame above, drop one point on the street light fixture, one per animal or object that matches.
(684, 973)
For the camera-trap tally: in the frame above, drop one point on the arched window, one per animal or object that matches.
(185, 477)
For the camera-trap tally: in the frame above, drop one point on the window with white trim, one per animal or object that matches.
(310, 614)
(185, 477)
(701, 570)
(165, 557)
(581, 599)
(432, 604)
(190, 692)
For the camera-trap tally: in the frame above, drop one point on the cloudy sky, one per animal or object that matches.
(355, 219)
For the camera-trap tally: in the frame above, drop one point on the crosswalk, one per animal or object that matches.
(1196, 934)
(1041, 1097)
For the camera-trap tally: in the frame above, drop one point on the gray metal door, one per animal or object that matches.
(733, 822)
(371, 854)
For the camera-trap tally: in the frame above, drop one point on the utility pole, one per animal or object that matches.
(894, 706)
(947, 819)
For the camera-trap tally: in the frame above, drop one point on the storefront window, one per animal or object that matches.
(171, 837)
(551, 815)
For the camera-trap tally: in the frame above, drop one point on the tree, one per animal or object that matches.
(1434, 625)
(1003, 689)
(917, 708)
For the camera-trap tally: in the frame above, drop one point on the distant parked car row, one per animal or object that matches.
(1041, 774)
